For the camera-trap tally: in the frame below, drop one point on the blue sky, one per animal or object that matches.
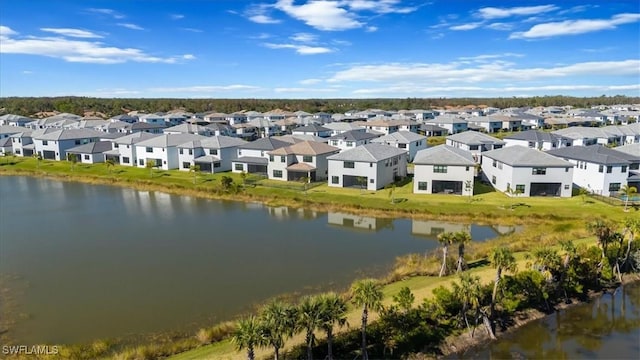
(319, 49)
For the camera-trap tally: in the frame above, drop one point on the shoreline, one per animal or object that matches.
(451, 346)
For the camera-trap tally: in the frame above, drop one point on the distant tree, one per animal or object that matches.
(628, 192)
(109, 163)
(195, 169)
(226, 182)
(583, 192)
(73, 159)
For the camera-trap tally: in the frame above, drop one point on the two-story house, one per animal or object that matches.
(306, 159)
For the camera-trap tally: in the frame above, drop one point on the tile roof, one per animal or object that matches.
(368, 153)
(266, 144)
(353, 135)
(597, 154)
(474, 138)
(91, 148)
(402, 137)
(444, 155)
(534, 135)
(521, 156)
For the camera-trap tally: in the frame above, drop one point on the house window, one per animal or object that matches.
(539, 171)
(190, 151)
(216, 165)
(566, 187)
(271, 158)
(181, 151)
(86, 157)
(186, 165)
(495, 163)
(614, 187)
(441, 169)
(493, 180)
(609, 169)
(335, 179)
(334, 142)
(623, 168)
(45, 142)
(141, 162)
(402, 146)
(149, 150)
(115, 146)
(125, 160)
(601, 168)
(283, 159)
(520, 188)
(422, 185)
(349, 143)
(566, 169)
(370, 165)
(307, 158)
(473, 147)
(277, 173)
(466, 168)
(372, 181)
(239, 167)
(349, 165)
(213, 151)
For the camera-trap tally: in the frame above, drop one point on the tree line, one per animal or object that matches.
(28, 106)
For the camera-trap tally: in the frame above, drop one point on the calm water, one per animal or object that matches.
(606, 328)
(90, 262)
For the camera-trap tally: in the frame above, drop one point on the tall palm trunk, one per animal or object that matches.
(309, 344)
(461, 264)
(445, 251)
(329, 331)
(365, 314)
(494, 295)
(250, 353)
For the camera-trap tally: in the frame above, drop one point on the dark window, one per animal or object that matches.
(87, 157)
(422, 185)
(467, 168)
(372, 180)
(539, 171)
(566, 187)
(601, 168)
(186, 165)
(45, 142)
(614, 187)
(213, 151)
(349, 143)
(307, 158)
(442, 169)
(495, 163)
(125, 160)
(148, 149)
(349, 164)
(402, 146)
(141, 162)
(335, 179)
(283, 159)
(493, 180)
(520, 188)
(216, 165)
(277, 173)
(609, 169)
(181, 151)
(623, 169)
(190, 151)
(473, 147)
(239, 167)
(77, 142)
(271, 158)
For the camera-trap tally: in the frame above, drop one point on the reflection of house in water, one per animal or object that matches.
(285, 212)
(359, 222)
(431, 228)
(504, 229)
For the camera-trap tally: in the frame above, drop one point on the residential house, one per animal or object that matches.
(633, 150)
(585, 136)
(537, 139)
(212, 154)
(474, 142)
(187, 128)
(53, 143)
(453, 124)
(136, 127)
(6, 146)
(14, 120)
(125, 145)
(351, 139)
(253, 156)
(152, 119)
(125, 118)
(443, 169)
(315, 130)
(380, 125)
(522, 171)
(340, 127)
(410, 142)
(597, 168)
(91, 153)
(162, 150)
(432, 130)
(373, 165)
(307, 159)
(22, 143)
(487, 124)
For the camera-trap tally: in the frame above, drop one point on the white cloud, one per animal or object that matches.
(72, 32)
(6, 31)
(27, 72)
(108, 12)
(500, 26)
(371, 29)
(310, 81)
(131, 26)
(464, 27)
(380, 6)
(204, 88)
(498, 13)
(192, 30)
(261, 36)
(73, 50)
(302, 90)
(491, 91)
(189, 57)
(260, 14)
(321, 14)
(301, 49)
(485, 57)
(304, 37)
(574, 27)
(176, 16)
(496, 71)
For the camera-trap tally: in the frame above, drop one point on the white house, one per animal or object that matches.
(14, 120)
(340, 127)
(527, 172)
(212, 154)
(253, 156)
(126, 147)
(536, 139)
(474, 142)
(152, 119)
(597, 168)
(162, 150)
(375, 165)
(53, 143)
(312, 129)
(405, 140)
(306, 159)
(22, 143)
(91, 153)
(585, 136)
(351, 139)
(453, 124)
(443, 169)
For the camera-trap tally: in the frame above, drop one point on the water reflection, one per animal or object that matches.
(359, 222)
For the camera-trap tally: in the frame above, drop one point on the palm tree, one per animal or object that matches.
(461, 238)
(38, 158)
(469, 292)
(278, 320)
(73, 159)
(247, 335)
(109, 163)
(632, 227)
(368, 294)
(194, 169)
(628, 192)
(603, 231)
(309, 319)
(502, 259)
(445, 239)
(333, 311)
(150, 165)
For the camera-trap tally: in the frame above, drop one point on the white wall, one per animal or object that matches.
(514, 176)
(591, 179)
(454, 173)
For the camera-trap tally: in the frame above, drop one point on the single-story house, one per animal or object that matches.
(522, 171)
(373, 165)
(91, 153)
(443, 169)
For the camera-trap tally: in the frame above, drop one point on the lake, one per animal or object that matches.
(80, 262)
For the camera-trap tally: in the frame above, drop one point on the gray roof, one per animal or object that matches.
(311, 128)
(168, 140)
(353, 135)
(368, 153)
(10, 129)
(343, 126)
(631, 149)
(534, 135)
(69, 134)
(252, 160)
(521, 156)
(597, 154)
(214, 142)
(206, 159)
(444, 155)
(91, 148)
(474, 138)
(134, 138)
(446, 119)
(266, 144)
(5, 142)
(402, 137)
(145, 126)
(13, 117)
